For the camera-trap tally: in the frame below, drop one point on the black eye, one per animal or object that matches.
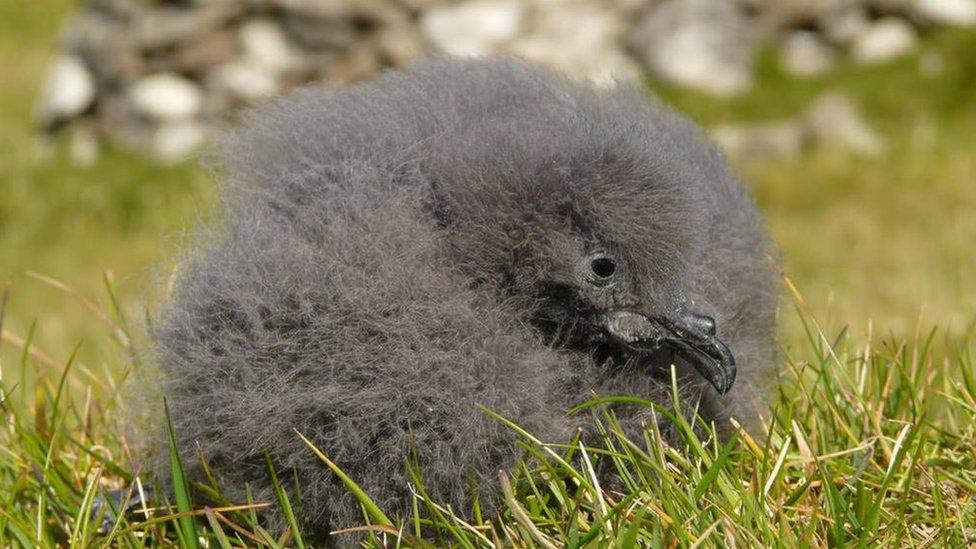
(603, 267)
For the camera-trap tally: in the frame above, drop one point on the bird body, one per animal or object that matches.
(396, 255)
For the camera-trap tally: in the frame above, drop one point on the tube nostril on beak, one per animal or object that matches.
(703, 324)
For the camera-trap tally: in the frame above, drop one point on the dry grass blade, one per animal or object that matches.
(521, 516)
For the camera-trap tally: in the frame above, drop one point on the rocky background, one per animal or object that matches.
(160, 75)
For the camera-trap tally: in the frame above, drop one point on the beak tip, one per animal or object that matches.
(726, 383)
(722, 379)
(714, 361)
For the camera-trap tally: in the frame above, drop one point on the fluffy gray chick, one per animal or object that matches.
(394, 254)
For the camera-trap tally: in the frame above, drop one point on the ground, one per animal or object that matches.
(873, 440)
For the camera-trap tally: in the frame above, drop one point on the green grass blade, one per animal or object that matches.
(713, 471)
(181, 487)
(284, 503)
(373, 510)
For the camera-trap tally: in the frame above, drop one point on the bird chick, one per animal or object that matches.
(395, 255)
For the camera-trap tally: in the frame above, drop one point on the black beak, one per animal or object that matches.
(693, 338)
(688, 334)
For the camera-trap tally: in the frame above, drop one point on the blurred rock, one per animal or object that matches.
(319, 34)
(399, 44)
(264, 44)
(177, 141)
(120, 121)
(315, 8)
(704, 44)
(105, 45)
(957, 13)
(881, 8)
(417, 6)
(341, 9)
(163, 26)
(139, 65)
(243, 81)
(579, 38)
(197, 55)
(166, 96)
(357, 63)
(833, 120)
(763, 141)
(843, 23)
(887, 39)
(68, 92)
(804, 54)
(120, 8)
(791, 14)
(473, 27)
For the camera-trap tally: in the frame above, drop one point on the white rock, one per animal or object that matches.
(177, 141)
(704, 44)
(68, 91)
(843, 23)
(265, 44)
(166, 96)
(578, 38)
(244, 81)
(885, 40)
(833, 120)
(958, 13)
(473, 28)
(804, 54)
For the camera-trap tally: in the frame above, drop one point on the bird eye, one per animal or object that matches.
(603, 267)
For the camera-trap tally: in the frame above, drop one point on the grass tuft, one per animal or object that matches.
(181, 488)
(870, 443)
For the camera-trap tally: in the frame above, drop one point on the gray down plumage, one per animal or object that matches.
(394, 254)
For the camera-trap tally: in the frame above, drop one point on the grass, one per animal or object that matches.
(871, 442)
(873, 435)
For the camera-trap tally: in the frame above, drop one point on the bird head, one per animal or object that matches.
(589, 214)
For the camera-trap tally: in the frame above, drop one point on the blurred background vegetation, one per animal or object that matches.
(884, 241)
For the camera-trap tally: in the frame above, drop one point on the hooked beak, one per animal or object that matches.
(690, 335)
